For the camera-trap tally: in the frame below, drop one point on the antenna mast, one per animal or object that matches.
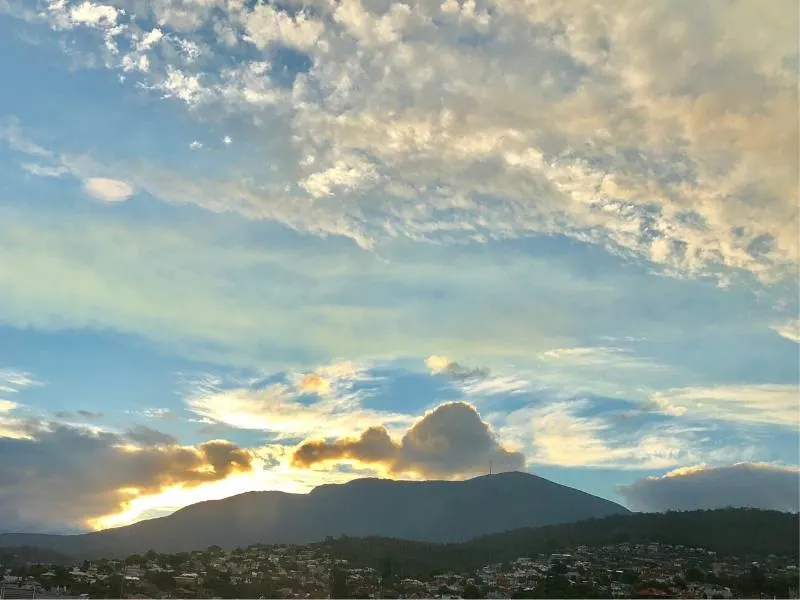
(490, 467)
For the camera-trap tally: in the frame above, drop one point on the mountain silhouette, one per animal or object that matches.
(432, 511)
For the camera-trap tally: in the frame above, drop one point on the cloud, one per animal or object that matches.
(313, 384)
(14, 426)
(159, 414)
(267, 25)
(83, 414)
(601, 370)
(442, 364)
(45, 170)
(7, 406)
(755, 485)
(450, 441)
(108, 190)
(790, 330)
(271, 472)
(13, 380)
(775, 404)
(11, 133)
(146, 436)
(61, 475)
(594, 354)
(333, 378)
(648, 137)
(569, 433)
(150, 39)
(245, 320)
(592, 357)
(88, 414)
(92, 14)
(275, 408)
(10, 425)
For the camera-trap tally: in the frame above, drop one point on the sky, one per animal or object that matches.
(250, 245)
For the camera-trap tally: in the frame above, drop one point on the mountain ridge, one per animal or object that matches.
(430, 511)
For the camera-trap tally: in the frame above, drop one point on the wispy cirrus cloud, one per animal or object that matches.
(561, 432)
(600, 370)
(14, 380)
(768, 404)
(597, 356)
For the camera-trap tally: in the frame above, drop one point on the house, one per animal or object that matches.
(187, 579)
(133, 571)
(653, 593)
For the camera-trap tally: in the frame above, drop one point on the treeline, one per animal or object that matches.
(21, 555)
(729, 532)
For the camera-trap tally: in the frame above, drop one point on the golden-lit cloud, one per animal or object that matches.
(271, 471)
(437, 363)
(313, 384)
(789, 329)
(325, 378)
(442, 364)
(12, 426)
(64, 475)
(450, 441)
(276, 408)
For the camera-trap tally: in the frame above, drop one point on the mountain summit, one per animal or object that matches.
(435, 511)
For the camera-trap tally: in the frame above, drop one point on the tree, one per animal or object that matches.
(338, 583)
(471, 592)
(62, 577)
(629, 577)
(162, 580)
(386, 571)
(177, 560)
(694, 575)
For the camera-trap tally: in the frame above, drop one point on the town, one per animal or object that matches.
(623, 570)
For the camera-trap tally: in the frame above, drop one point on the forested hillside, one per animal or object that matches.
(728, 532)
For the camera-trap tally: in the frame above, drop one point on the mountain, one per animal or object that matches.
(431, 511)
